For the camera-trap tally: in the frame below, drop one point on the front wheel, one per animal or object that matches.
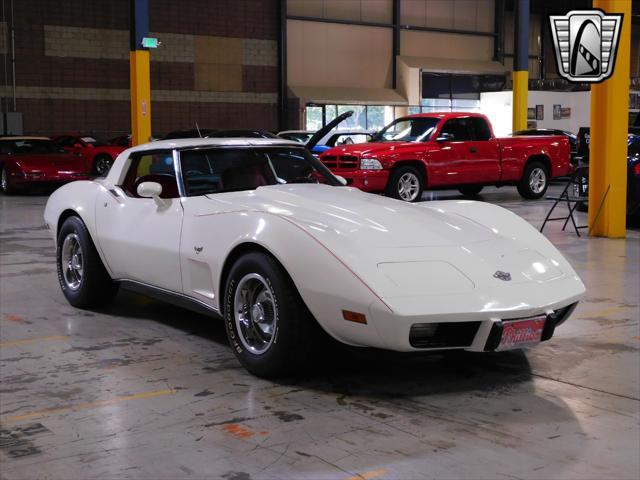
(268, 326)
(535, 181)
(470, 190)
(84, 281)
(5, 182)
(405, 183)
(102, 164)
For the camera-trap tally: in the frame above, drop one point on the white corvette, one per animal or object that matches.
(259, 232)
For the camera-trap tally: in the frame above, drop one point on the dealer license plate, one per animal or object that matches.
(521, 333)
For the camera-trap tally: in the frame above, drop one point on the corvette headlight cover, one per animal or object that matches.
(370, 164)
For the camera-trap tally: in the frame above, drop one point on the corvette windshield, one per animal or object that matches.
(408, 130)
(217, 170)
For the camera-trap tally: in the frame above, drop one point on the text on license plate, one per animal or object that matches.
(521, 333)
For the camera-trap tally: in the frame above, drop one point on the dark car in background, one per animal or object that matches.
(633, 180)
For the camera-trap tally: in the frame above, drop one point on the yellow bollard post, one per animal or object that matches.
(140, 97)
(520, 75)
(608, 142)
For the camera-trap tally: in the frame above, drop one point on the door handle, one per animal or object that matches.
(473, 150)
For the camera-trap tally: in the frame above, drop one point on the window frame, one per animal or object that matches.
(255, 148)
(141, 153)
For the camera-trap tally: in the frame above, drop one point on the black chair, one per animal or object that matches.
(570, 195)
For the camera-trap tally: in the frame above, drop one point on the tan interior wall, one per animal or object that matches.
(459, 14)
(335, 55)
(446, 45)
(361, 10)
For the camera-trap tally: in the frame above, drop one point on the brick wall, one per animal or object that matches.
(217, 65)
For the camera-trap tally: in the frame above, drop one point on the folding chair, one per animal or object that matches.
(577, 184)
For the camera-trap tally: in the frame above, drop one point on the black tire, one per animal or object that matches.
(101, 164)
(397, 183)
(535, 181)
(5, 182)
(470, 190)
(95, 287)
(291, 341)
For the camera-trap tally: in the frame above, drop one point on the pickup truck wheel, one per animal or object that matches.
(102, 164)
(268, 325)
(534, 182)
(470, 190)
(405, 183)
(84, 281)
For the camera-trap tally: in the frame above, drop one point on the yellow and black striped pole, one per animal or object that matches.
(139, 73)
(608, 136)
(520, 77)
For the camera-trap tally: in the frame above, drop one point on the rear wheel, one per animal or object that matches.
(268, 325)
(102, 164)
(470, 190)
(405, 183)
(535, 181)
(84, 281)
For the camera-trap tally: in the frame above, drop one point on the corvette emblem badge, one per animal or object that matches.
(586, 43)
(198, 250)
(505, 276)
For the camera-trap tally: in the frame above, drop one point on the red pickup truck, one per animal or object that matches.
(448, 150)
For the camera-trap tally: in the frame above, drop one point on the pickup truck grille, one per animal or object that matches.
(341, 162)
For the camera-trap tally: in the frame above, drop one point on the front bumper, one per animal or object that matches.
(366, 180)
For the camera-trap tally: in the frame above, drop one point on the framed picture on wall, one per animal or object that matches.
(565, 112)
(531, 114)
(539, 112)
(557, 111)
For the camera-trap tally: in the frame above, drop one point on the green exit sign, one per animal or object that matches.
(148, 42)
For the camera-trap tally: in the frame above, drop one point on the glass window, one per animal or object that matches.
(30, 147)
(480, 129)
(375, 117)
(355, 121)
(313, 118)
(207, 171)
(459, 128)
(154, 166)
(348, 139)
(408, 130)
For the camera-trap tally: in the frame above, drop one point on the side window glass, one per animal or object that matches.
(480, 129)
(152, 167)
(459, 128)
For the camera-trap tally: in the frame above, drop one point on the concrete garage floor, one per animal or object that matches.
(146, 390)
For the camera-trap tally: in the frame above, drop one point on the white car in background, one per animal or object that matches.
(260, 233)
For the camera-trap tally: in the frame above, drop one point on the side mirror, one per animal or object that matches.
(149, 190)
(342, 180)
(445, 137)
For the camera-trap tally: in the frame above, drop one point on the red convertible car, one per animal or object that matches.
(28, 161)
(98, 155)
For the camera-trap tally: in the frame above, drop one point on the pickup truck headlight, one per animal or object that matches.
(370, 164)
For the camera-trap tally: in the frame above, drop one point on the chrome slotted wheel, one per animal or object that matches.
(255, 313)
(72, 262)
(537, 180)
(408, 187)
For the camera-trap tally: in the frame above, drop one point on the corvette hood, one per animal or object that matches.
(364, 220)
(403, 249)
